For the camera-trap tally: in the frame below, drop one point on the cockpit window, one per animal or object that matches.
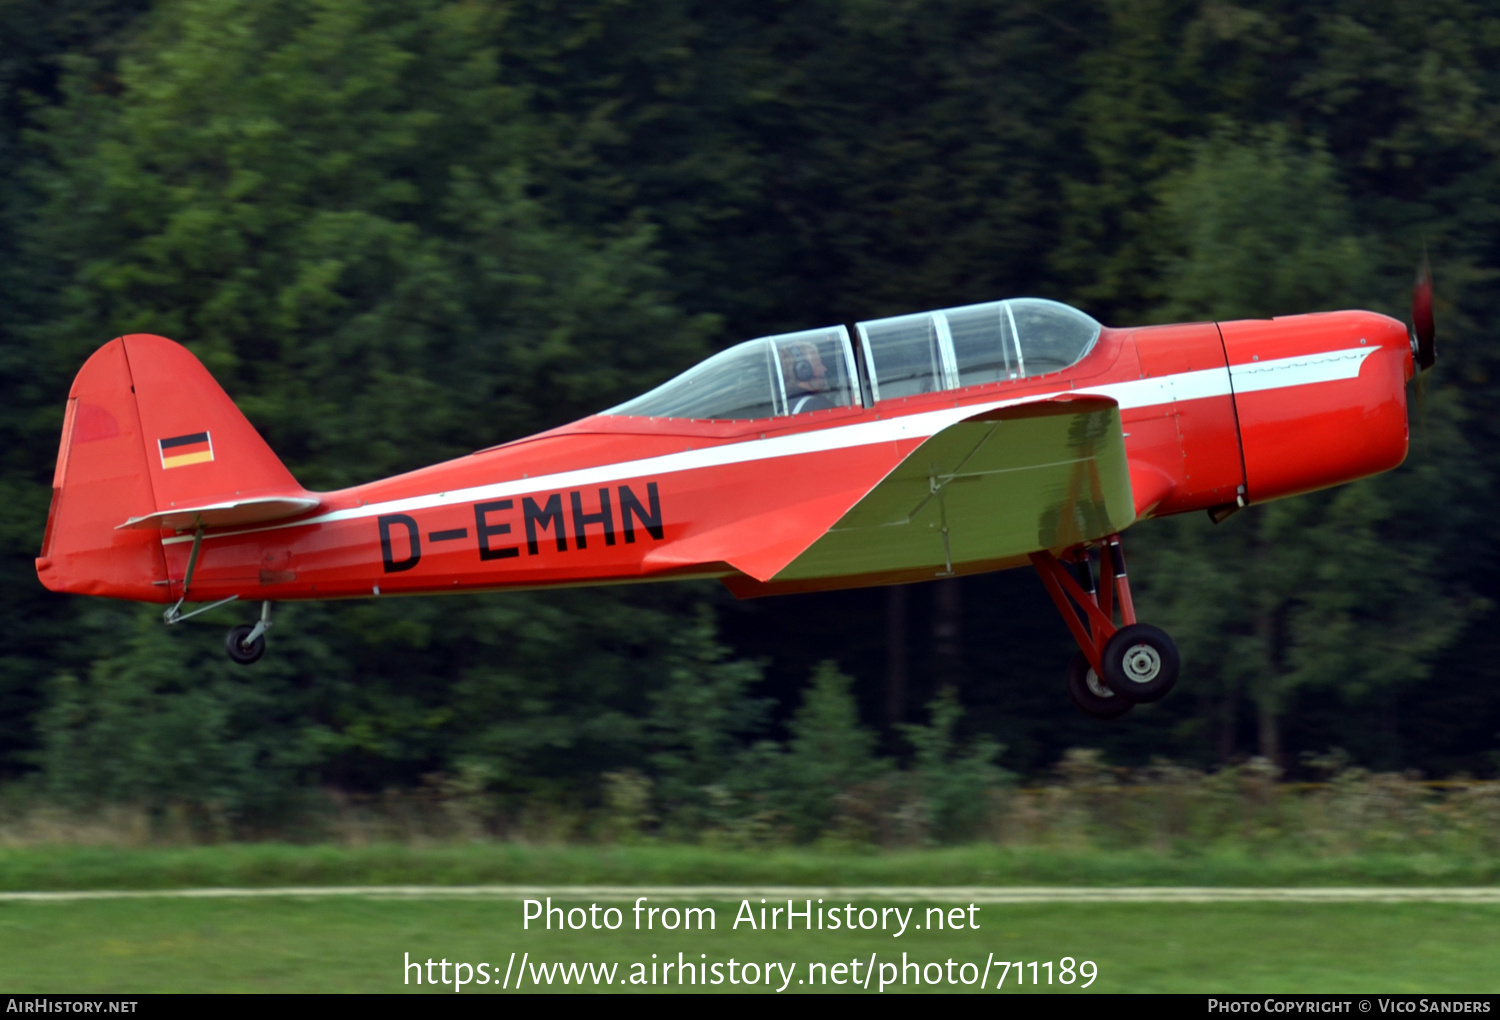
(817, 369)
(930, 351)
(984, 343)
(908, 352)
(794, 373)
(1051, 335)
(791, 373)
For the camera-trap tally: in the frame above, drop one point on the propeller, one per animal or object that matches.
(1424, 333)
(1423, 340)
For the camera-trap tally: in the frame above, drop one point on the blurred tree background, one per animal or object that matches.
(400, 231)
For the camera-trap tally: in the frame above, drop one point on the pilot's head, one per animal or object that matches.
(803, 369)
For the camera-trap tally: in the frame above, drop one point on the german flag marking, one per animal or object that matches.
(180, 451)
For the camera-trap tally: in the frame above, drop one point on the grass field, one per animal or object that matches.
(270, 864)
(359, 944)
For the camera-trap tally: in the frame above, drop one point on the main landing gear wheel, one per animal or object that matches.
(1141, 663)
(242, 651)
(1090, 694)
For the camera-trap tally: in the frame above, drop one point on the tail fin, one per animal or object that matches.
(151, 442)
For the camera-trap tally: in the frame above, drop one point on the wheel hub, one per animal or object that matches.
(1142, 664)
(1096, 686)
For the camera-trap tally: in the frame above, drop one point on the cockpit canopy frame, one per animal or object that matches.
(769, 377)
(904, 356)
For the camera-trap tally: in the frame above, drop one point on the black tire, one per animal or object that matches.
(1090, 695)
(234, 644)
(1141, 663)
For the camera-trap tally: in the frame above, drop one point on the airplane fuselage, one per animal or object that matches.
(1214, 415)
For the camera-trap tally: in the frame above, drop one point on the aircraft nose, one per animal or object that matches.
(1321, 399)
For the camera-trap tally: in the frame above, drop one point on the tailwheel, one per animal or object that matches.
(241, 650)
(247, 642)
(1141, 663)
(1090, 694)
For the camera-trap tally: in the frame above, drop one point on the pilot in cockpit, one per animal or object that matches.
(806, 378)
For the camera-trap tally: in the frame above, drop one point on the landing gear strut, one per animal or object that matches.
(245, 643)
(1120, 667)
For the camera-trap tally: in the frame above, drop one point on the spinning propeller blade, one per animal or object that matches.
(1421, 318)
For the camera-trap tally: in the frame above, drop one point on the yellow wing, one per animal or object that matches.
(1004, 483)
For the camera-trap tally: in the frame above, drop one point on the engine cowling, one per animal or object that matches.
(1320, 398)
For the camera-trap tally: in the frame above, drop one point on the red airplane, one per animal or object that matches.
(929, 445)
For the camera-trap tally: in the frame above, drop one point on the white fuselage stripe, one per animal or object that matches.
(1303, 370)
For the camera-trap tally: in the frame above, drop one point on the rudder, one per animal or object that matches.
(148, 431)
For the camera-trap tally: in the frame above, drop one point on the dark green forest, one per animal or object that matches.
(398, 232)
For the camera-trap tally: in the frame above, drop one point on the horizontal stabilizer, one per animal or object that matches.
(227, 514)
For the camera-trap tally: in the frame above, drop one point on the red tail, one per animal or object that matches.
(151, 442)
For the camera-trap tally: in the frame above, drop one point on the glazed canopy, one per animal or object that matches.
(903, 356)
